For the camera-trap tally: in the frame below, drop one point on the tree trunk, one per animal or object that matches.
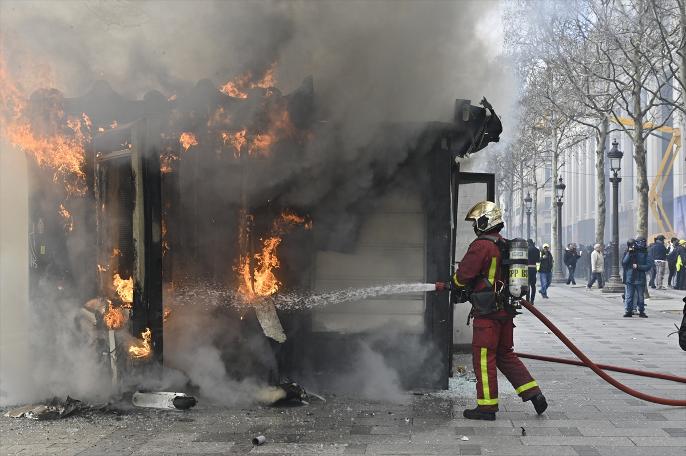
(521, 199)
(641, 203)
(601, 139)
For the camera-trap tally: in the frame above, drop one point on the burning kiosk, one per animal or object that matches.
(211, 199)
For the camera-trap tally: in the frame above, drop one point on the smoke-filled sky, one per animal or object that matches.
(391, 60)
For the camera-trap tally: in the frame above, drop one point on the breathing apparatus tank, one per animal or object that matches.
(518, 266)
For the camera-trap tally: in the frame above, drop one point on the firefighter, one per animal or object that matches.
(492, 346)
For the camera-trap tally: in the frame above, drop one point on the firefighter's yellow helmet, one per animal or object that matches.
(485, 215)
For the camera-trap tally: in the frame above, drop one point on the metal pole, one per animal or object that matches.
(559, 275)
(614, 285)
(528, 224)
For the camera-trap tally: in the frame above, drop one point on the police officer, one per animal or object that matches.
(492, 342)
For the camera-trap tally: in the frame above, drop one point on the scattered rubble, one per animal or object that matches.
(52, 410)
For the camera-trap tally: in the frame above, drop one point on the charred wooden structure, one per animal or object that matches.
(180, 190)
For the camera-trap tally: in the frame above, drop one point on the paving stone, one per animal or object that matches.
(571, 441)
(356, 448)
(657, 441)
(569, 431)
(585, 450)
(675, 432)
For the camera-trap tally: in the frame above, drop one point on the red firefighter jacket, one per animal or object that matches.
(482, 260)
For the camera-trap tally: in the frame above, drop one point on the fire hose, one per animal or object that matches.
(599, 369)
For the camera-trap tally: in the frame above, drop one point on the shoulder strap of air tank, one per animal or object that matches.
(493, 239)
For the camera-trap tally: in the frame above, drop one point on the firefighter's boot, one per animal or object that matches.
(540, 404)
(479, 414)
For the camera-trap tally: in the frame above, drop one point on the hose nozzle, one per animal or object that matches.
(443, 286)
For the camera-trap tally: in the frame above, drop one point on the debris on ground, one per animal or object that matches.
(163, 400)
(51, 410)
(259, 440)
(283, 392)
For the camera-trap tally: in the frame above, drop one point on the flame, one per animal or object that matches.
(123, 288)
(231, 88)
(262, 281)
(165, 241)
(114, 317)
(260, 144)
(237, 140)
(143, 349)
(280, 126)
(290, 218)
(60, 144)
(101, 268)
(166, 160)
(166, 314)
(187, 139)
(116, 252)
(68, 219)
(239, 85)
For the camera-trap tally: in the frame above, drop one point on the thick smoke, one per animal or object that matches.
(371, 61)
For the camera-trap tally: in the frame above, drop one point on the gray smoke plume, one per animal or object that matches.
(371, 61)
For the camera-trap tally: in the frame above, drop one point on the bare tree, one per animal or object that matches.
(626, 38)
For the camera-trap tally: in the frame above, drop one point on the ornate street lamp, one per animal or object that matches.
(559, 196)
(614, 285)
(527, 206)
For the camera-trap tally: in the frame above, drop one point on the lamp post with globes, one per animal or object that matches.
(559, 275)
(527, 206)
(614, 285)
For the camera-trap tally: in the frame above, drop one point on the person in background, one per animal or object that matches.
(637, 262)
(629, 244)
(597, 266)
(672, 254)
(587, 260)
(658, 253)
(545, 270)
(534, 258)
(570, 258)
(681, 265)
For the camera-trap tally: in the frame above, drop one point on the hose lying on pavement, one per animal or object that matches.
(605, 367)
(596, 368)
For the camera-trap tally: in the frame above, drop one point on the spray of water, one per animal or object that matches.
(292, 301)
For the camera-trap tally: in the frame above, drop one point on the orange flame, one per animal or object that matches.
(123, 288)
(261, 281)
(166, 314)
(166, 160)
(260, 144)
(238, 87)
(143, 349)
(61, 147)
(114, 317)
(68, 219)
(237, 140)
(165, 241)
(187, 139)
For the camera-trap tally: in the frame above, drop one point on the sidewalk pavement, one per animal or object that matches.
(586, 416)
